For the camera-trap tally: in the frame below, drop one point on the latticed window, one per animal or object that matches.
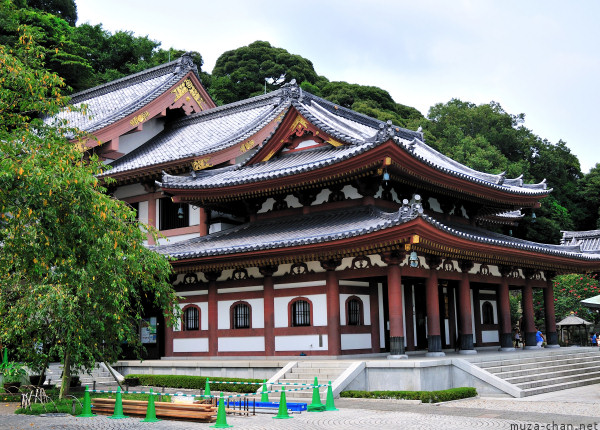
(487, 312)
(300, 313)
(241, 316)
(191, 319)
(354, 312)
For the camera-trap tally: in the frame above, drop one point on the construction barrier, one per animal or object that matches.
(87, 405)
(221, 416)
(118, 412)
(282, 414)
(151, 410)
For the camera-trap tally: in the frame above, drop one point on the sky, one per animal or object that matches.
(540, 58)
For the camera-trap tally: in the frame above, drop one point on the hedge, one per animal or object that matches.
(424, 396)
(194, 382)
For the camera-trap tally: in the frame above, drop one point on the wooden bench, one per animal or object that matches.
(184, 411)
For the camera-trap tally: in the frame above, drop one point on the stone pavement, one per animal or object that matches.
(576, 407)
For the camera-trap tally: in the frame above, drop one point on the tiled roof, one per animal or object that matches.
(289, 231)
(201, 133)
(322, 227)
(589, 240)
(115, 100)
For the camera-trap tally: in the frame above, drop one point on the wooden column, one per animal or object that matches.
(269, 308)
(528, 321)
(203, 222)
(374, 308)
(465, 313)
(394, 285)
(551, 334)
(505, 331)
(334, 340)
(213, 313)
(434, 338)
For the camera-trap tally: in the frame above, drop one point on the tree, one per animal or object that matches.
(250, 70)
(589, 199)
(65, 9)
(74, 274)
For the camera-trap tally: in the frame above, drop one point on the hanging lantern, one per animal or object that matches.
(413, 259)
(180, 213)
(533, 217)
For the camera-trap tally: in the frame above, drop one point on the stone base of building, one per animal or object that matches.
(397, 357)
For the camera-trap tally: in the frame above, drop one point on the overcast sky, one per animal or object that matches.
(541, 58)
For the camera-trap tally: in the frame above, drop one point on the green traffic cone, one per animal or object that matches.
(221, 417)
(316, 405)
(151, 410)
(329, 405)
(264, 397)
(87, 405)
(207, 389)
(282, 413)
(118, 412)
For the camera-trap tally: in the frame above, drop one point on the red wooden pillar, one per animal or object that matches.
(168, 341)
(465, 313)
(504, 311)
(408, 308)
(332, 287)
(213, 313)
(203, 222)
(269, 308)
(528, 321)
(374, 308)
(434, 337)
(394, 281)
(551, 334)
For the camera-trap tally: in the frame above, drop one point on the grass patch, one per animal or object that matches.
(194, 382)
(423, 396)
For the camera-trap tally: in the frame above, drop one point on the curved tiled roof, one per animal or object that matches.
(322, 227)
(588, 240)
(115, 100)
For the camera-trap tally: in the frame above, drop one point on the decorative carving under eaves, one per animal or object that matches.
(306, 197)
(361, 262)
(368, 187)
(532, 274)
(239, 274)
(330, 264)
(299, 269)
(337, 195)
(446, 205)
(448, 265)
(212, 275)
(280, 203)
(190, 278)
(514, 273)
(393, 257)
(484, 270)
(386, 193)
(268, 270)
(433, 261)
(549, 274)
(505, 270)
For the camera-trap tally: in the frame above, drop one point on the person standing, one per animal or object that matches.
(594, 339)
(539, 337)
(517, 338)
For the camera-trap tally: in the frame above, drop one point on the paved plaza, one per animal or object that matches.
(578, 408)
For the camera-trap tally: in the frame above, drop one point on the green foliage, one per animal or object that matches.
(589, 198)
(197, 382)
(515, 307)
(424, 396)
(65, 9)
(12, 372)
(73, 269)
(246, 72)
(569, 291)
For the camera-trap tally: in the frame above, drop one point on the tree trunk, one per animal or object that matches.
(66, 377)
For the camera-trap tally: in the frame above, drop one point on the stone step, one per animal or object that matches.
(316, 371)
(311, 378)
(560, 386)
(550, 381)
(321, 364)
(579, 373)
(533, 359)
(542, 363)
(580, 367)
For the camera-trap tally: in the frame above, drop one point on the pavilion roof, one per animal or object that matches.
(323, 227)
(573, 320)
(113, 101)
(589, 240)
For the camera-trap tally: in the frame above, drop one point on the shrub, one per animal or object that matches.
(424, 396)
(194, 382)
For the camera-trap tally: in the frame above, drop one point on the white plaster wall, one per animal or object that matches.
(240, 289)
(322, 197)
(193, 344)
(435, 205)
(301, 343)
(143, 212)
(293, 201)
(219, 226)
(150, 128)
(489, 336)
(319, 309)
(129, 191)
(250, 343)
(353, 283)
(203, 315)
(258, 314)
(299, 285)
(366, 302)
(267, 206)
(175, 239)
(356, 341)
(193, 293)
(194, 215)
(350, 192)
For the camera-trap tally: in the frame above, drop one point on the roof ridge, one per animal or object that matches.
(144, 75)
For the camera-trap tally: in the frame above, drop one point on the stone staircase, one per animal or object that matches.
(99, 374)
(304, 372)
(545, 371)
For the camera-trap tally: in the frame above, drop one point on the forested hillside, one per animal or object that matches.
(484, 137)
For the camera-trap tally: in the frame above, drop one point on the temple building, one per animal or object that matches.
(300, 227)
